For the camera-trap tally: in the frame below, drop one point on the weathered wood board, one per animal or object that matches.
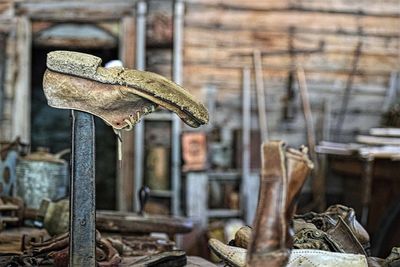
(220, 37)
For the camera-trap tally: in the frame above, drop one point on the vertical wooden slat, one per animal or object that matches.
(9, 84)
(2, 72)
(197, 198)
(125, 190)
(22, 92)
(141, 10)
(246, 119)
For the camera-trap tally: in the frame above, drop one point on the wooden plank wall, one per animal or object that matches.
(220, 36)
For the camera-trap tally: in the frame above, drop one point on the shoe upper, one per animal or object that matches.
(124, 85)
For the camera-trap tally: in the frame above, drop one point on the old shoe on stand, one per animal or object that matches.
(117, 95)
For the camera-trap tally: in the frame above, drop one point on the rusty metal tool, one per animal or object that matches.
(317, 185)
(347, 90)
(82, 198)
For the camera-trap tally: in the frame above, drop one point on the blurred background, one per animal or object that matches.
(323, 73)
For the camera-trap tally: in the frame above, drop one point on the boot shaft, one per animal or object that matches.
(282, 176)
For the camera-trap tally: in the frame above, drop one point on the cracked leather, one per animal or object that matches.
(77, 81)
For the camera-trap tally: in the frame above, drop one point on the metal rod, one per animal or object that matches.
(139, 128)
(320, 176)
(176, 122)
(262, 116)
(367, 182)
(82, 238)
(347, 90)
(246, 119)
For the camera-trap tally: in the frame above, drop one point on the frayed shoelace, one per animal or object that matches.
(130, 121)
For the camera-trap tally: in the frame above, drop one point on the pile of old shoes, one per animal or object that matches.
(335, 230)
(280, 238)
(315, 243)
(319, 238)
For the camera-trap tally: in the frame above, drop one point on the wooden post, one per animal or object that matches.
(125, 176)
(246, 120)
(197, 197)
(21, 124)
(262, 116)
(317, 184)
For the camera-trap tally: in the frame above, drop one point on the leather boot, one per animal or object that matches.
(298, 167)
(349, 217)
(272, 237)
(117, 95)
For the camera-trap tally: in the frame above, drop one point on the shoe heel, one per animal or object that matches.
(74, 63)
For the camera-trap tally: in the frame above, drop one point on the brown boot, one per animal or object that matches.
(298, 166)
(272, 238)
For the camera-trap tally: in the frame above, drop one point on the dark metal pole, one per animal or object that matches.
(82, 231)
(367, 179)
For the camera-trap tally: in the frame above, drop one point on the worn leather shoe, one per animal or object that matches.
(117, 95)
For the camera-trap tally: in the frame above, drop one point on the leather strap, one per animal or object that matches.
(343, 236)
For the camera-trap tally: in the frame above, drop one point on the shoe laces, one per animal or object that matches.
(130, 121)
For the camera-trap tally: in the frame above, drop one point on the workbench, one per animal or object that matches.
(371, 183)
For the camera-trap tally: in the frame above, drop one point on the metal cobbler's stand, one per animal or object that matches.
(82, 229)
(82, 234)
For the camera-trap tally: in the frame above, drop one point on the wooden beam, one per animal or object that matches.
(239, 20)
(259, 81)
(83, 11)
(365, 7)
(22, 92)
(125, 177)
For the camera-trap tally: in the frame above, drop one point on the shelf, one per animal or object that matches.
(226, 175)
(161, 193)
(223, 213)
